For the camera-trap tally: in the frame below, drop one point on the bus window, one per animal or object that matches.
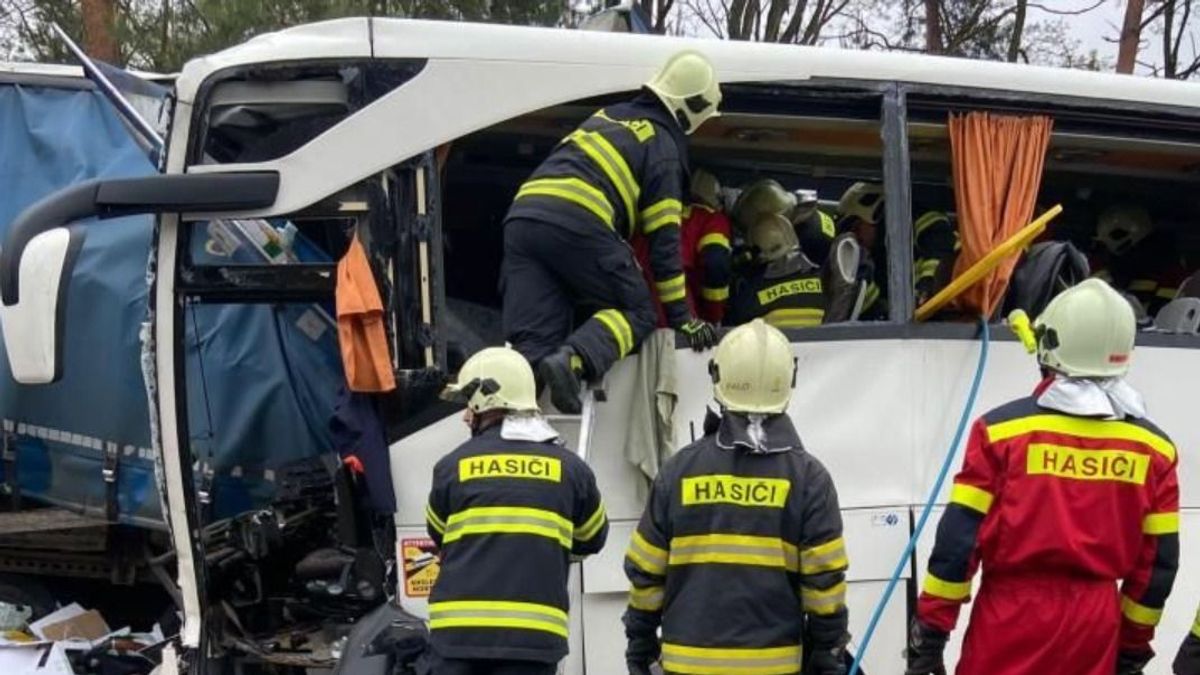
(809, 146)
(1128, 212)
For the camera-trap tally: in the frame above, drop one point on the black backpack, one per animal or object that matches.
(1046, 269)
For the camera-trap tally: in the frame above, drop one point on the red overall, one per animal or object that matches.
(702, 228)
(1057, 510)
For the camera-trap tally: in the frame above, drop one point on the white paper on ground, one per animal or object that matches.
(57, 616)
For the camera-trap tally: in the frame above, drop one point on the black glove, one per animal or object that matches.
(700, 334)
(636, 668)
(1187, 661)
(826, 662)
(1132, 663)
(926, 646)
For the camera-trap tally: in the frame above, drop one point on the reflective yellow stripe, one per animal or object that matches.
(497, 614)
(648, 557)
(927, 220)
(605, 156)
(871, 295)
(947, 590)
(795, 318)
(618, 325)
(672, 289)
(828, 227)
(1166, 293)
(1143, 285)
(823, 600)
(660, 214)
(678, 658)
(649, 599)
(827, 557)
(713, 239)
(1139, 613)
(1196, 625)
(733, 549)
(573, 190)
(643, 130)
(926, 268)
(971, 497)
(591, 527)
(432, 518)
(1161, 523)
(508, 520)
(715, 294)
(1083, 428)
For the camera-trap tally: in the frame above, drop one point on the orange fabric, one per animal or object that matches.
(361, 332)
(998, 162)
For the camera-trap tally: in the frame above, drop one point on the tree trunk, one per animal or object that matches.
(1014, 45)
(933, 27)
(99, 38)
(1131, 36)
(1170, 59)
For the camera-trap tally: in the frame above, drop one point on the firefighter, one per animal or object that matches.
(815, 229)
(935, 246)
(624, 170)
(1134, 257)
(508, 508)
(739, 556)
(706, 251)
(1061, 495)
(1187, 660)
(785, 287)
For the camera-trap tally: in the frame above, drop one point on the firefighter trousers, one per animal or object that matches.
(1034, 625)
(442, 666)
(551, 274)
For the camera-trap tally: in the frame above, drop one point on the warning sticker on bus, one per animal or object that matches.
(421, 566)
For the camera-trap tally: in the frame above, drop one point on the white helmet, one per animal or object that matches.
(1087, 330)
(496, 378)
(688, 86)
(762, 198)
(863, 201)
(706, 189)
(1121, 227)
(753, 369)
(773, 236)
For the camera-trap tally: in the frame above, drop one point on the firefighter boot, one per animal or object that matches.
(561, 372)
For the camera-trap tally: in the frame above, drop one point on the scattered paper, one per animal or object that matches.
(57, 616)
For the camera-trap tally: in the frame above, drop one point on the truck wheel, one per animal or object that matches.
(18, 589)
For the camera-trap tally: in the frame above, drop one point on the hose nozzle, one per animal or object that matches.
(1018, 320)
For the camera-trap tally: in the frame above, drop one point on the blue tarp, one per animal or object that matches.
(262, 380)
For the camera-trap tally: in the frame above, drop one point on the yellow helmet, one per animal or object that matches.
(753, 369)
(496, 378)
(1120, 228)
(1087, 330)
(761, 198)
(773, 236)
(706, 189)
(688, 86)
(863, 201)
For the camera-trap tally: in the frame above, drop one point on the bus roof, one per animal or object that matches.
(736, 61)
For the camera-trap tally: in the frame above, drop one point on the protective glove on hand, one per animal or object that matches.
(1132, 663)
(700, 334)
(926, 649)
(637, 668)
(826, 662)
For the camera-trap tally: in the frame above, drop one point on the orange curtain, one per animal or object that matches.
(998, 163)
(361, 333)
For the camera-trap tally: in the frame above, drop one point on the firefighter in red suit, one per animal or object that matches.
(705, 249)
(1062, 496)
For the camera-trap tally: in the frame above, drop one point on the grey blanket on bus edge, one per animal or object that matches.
(650, 437)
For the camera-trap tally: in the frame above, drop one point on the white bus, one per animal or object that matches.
(418, 134)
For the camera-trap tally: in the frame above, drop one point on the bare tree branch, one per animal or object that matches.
(1066, 12)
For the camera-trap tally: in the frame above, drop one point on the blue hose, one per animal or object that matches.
(937, 488)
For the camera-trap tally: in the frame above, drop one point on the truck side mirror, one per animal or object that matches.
(39, 251)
